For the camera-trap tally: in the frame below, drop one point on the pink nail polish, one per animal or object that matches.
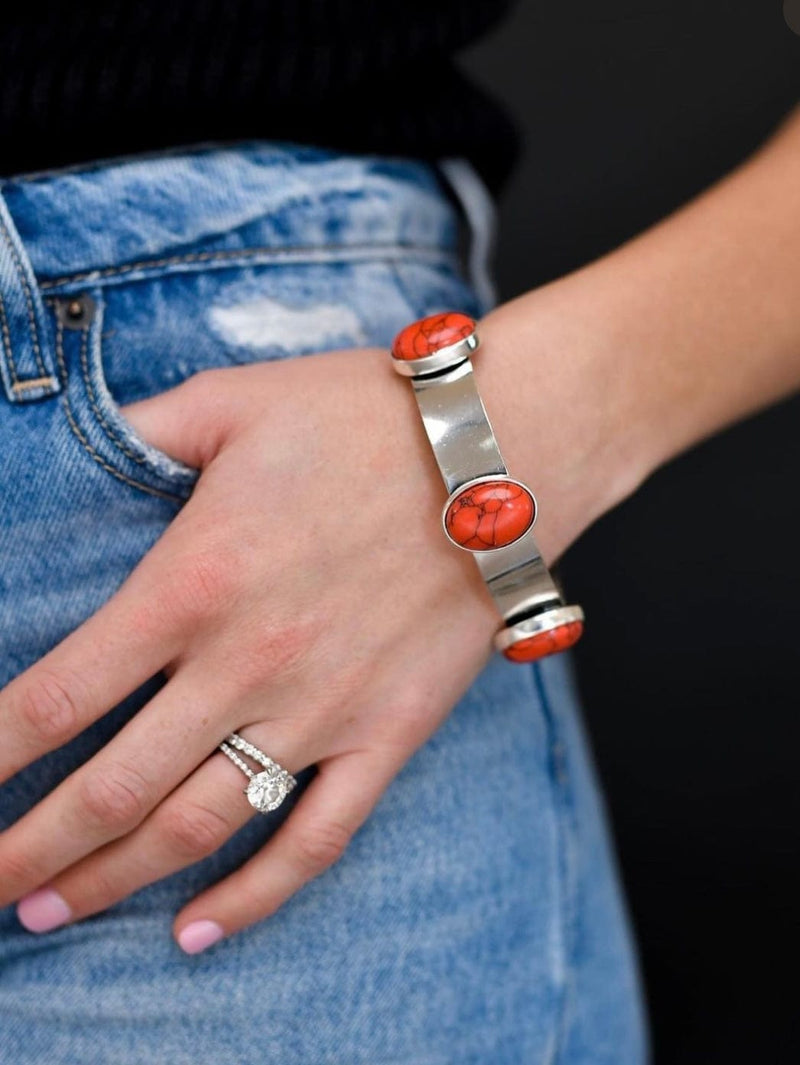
(198, 935)
(43, 910)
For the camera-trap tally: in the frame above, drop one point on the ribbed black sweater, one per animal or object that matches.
(95, 79)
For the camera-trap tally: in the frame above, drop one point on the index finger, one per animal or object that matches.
(126, 641)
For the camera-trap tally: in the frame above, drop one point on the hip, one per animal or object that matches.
(477, 912)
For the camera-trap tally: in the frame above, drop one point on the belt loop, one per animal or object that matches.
(26, 359)
(481, 215)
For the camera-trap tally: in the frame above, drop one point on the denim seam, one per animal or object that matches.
(28, 299)
(7, 340)
(316, 253)
(561, 785)
(101, 418)
(82, 439)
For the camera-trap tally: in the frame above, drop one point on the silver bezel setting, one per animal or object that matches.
(544, 622)
(443, 359)
(483, 479)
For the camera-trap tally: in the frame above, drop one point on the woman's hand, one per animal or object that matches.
(305, 596)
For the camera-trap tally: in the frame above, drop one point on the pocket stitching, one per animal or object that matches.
(94, 377)
(78, 433)
(7, 338)
(101, 418)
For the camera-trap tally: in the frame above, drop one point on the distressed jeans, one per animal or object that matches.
(477, 916)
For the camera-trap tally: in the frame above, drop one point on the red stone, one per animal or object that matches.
(549, 642)
(490, 514)
(430, 334)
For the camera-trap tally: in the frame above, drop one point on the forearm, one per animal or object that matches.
(690, 326)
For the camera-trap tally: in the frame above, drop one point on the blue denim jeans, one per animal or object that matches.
(477, 916)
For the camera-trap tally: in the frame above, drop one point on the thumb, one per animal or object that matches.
(190, 422)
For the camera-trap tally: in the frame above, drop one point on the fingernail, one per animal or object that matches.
(43, 910)
(198, 935)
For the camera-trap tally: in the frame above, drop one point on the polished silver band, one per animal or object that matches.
(466, 448)
(266, 790)
(466, 451)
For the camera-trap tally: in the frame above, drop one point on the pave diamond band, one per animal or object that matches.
(266, 790)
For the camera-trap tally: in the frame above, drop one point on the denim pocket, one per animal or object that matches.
(122, 342)
(94, 414)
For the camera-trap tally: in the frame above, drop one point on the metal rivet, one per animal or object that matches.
(76, 312)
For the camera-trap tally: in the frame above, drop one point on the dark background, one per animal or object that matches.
(689, 667)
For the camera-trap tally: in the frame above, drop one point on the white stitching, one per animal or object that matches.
(7, 339)
(85, 443)
(109, 431)
(33, 382)
(28, 297)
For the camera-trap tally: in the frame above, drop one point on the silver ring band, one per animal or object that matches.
(266, 790)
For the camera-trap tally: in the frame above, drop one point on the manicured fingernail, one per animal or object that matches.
(198, 935)
(43, 910)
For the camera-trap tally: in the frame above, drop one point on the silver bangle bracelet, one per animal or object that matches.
(487, 512)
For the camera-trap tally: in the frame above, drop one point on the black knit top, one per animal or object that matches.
(98, 78)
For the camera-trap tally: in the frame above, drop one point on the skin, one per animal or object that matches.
(591, 383)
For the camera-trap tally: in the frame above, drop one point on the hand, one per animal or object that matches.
(305, 596)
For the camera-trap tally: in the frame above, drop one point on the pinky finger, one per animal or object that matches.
(334, 805)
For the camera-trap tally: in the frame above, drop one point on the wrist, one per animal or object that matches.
(600, 377)
(564, 414)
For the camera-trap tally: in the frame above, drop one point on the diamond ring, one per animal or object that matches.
(266, 790)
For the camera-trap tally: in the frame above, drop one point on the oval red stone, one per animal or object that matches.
(489, 515)
(549, 642)
(430, 334)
